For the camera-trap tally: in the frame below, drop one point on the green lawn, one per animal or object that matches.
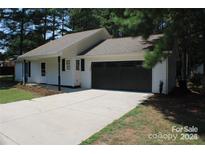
(157, 116)
(13, 94)
(9, 93)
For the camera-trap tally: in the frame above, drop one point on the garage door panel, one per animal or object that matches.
(127, 76)
(121, 76)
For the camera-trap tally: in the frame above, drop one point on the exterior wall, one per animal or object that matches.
(70, 77)
(159, 73)
(86, 76)
(36, 73)
(18, 71)
(77, 74)
(51, 70)
(67, 76)
(165, 72)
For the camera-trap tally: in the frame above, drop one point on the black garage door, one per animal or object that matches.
(125, 75)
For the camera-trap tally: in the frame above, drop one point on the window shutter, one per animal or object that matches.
(29, 69)
(77, 65)
(63, 64)
(43, 69)
(82, 65)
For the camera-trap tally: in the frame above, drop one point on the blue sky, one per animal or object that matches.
(2, 50)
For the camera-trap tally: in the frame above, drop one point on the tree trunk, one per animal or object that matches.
(53, 27)
(62, 30)
(22, 32)
(184, 64)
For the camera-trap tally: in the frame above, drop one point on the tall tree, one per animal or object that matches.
(20, 26)
(58, 22)
(106, 18)
(22, 22)
(64, 21)
(39, 18)
(21, 30)
(183, 31)
(83, 19)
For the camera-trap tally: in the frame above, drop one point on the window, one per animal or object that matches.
(29, 69)
(77, 65)
(67, 64)
(82, 64)
(43, 69)
(63, 64)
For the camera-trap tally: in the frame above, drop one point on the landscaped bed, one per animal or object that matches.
(155, 122)
(11, 91)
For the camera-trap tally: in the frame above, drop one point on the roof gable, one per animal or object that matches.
(126, 45)
(56, 46)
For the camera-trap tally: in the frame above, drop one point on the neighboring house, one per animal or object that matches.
(7, 67)
(93, 59)
(7, 63)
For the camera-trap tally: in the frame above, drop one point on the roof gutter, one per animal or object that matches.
(21, 58)
(137, 56)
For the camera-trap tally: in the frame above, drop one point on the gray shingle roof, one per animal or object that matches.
(54, 47)
(127, 45)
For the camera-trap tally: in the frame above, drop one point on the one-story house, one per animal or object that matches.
(93, 59)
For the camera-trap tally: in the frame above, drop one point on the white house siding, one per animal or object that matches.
(160, 73)
(86, 75)
(70, 77)
(36, 72)
(18, 71)
(52, 70)
(77, 74)
(67, 76)
(165, 72)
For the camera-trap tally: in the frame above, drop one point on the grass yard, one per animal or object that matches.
(11, 91)
(152, 122)
(14, 94)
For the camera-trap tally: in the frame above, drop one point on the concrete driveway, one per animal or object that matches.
(67, 118)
